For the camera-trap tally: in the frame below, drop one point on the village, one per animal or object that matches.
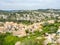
(30, 27)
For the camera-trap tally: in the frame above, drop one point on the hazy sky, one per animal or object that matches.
(28, 4)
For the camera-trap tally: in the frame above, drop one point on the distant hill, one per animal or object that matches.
(30, 15)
